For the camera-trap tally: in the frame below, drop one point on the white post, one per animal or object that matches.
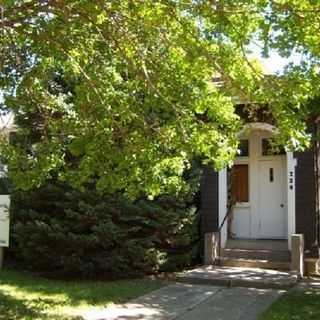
(291, 196)
(223, 202)
(297, 254)
(211, 245)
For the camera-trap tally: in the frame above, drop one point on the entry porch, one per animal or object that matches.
(256, 196)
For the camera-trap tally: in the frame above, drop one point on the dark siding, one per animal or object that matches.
(306, 198)
(317, 170)
(209, 201)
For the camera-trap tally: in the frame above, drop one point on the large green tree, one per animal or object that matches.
(126, 93)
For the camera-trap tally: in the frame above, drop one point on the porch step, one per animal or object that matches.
(250, 253)
(252, 244)
(239, 277)
(254, 263)
(270, 255)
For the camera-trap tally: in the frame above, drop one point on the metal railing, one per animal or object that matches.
(231, 201)
(229, 211)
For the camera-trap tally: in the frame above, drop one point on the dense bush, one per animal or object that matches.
(62, 231)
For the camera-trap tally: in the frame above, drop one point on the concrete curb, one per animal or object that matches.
(224, 282)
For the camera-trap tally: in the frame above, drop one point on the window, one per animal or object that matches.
(270, 150)
(240, 182)
(271, 175)
(244, 148)
(5, 186)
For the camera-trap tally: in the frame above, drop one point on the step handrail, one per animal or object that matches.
(231, 201)
(228, 213)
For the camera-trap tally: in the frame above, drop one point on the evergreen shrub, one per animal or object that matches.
(65, 232)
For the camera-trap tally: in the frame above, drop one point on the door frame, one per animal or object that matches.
(290, 164)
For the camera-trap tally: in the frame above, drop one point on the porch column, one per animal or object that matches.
(297, 254)
(291, 197)
(211, 248)
(223, 201)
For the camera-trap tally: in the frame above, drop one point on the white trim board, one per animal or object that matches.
(223, 201)
(291, 196)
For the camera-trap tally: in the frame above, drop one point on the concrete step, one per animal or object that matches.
(255, 263)
(239, 277)
(271, 255)
(252, 244)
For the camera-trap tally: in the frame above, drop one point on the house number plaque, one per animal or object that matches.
(291, 180)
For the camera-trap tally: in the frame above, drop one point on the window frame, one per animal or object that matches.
(244, 203)
(245, 156)
(268, 156)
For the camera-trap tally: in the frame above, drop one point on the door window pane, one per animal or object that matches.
(269, 150)
(240, 182)
(244, 148)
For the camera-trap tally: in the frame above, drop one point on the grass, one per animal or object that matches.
(297, 304)
(23, 296)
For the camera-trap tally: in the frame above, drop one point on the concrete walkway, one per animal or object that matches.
(240, 277)
(309, 283)
(192, 302)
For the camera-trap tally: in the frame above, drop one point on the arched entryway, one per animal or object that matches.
(263, 185)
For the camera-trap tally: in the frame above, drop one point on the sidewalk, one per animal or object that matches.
(192, 302)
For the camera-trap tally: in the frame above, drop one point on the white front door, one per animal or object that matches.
(272, 211)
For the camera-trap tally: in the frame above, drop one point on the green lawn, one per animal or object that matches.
(26, 297)
(295, 305)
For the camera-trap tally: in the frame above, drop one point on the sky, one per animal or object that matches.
(275, 63)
